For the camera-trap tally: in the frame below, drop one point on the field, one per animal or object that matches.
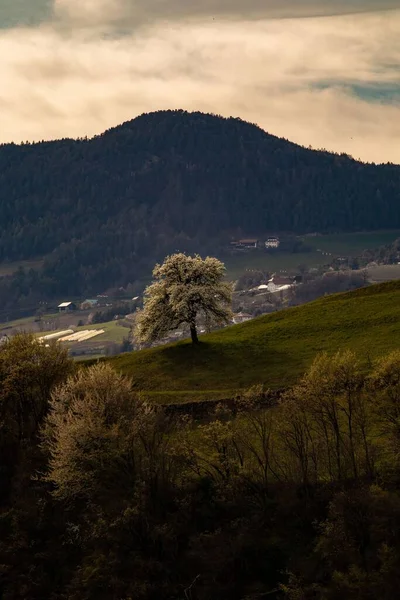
(274, 350)
(352, 244)
(324, 249)
(27, 324)
(114, 331)
(8, 268)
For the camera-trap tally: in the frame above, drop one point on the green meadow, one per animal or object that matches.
(274, 350)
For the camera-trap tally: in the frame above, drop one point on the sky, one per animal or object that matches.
(322, 73)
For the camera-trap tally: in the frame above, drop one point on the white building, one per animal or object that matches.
(66, 307)
(272, 242)
(279, 284)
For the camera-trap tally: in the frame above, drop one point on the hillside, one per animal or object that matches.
(275, 349)
(102, 211)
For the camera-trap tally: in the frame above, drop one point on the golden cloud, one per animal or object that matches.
(293, 77)
(134, 12)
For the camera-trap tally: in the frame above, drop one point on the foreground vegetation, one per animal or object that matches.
(274, 350)
(106, 497)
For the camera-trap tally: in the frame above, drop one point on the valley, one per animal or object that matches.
(100, 212)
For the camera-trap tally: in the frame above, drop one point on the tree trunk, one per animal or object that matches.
(193, 333)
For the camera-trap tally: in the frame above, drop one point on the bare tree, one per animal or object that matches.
(384, 385)
(329, 412)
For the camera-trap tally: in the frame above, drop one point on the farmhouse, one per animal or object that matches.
(249, 244)
(272, 242)
(66, 307)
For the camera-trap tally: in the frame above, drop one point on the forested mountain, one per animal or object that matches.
(103, 210)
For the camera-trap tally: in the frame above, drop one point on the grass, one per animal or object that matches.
(345, 244)
(275, 349)
(187, 396)
(352, 244)
(84, 359)
(22, 324)
(113, 331)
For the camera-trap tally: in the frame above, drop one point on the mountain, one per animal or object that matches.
(103, 210)
(274, 350)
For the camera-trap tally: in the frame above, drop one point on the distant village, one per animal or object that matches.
(84, 326)
(104, 325)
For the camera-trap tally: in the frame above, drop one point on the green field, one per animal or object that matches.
(352, 244)
(324, 249)
(275, 349)
(24, 324)
(113, 332)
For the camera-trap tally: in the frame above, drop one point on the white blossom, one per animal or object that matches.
(184, 289)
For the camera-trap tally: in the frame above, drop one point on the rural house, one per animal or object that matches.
(272, 242)
(249, 244)
(66, 307)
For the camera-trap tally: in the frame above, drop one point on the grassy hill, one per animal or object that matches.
(275, 349)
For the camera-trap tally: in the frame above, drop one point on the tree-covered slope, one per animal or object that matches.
(103, 210)
(274, 350)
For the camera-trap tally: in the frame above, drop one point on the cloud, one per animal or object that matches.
(93, 12)
(130, 13)
(308, 80)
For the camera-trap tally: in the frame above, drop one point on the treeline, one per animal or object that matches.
(104, 496)
(385, 255)
(118, 310)
(103, 211)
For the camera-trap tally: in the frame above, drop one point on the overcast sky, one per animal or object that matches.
(323, 73)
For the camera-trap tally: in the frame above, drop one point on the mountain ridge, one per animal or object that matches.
(147, 117)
